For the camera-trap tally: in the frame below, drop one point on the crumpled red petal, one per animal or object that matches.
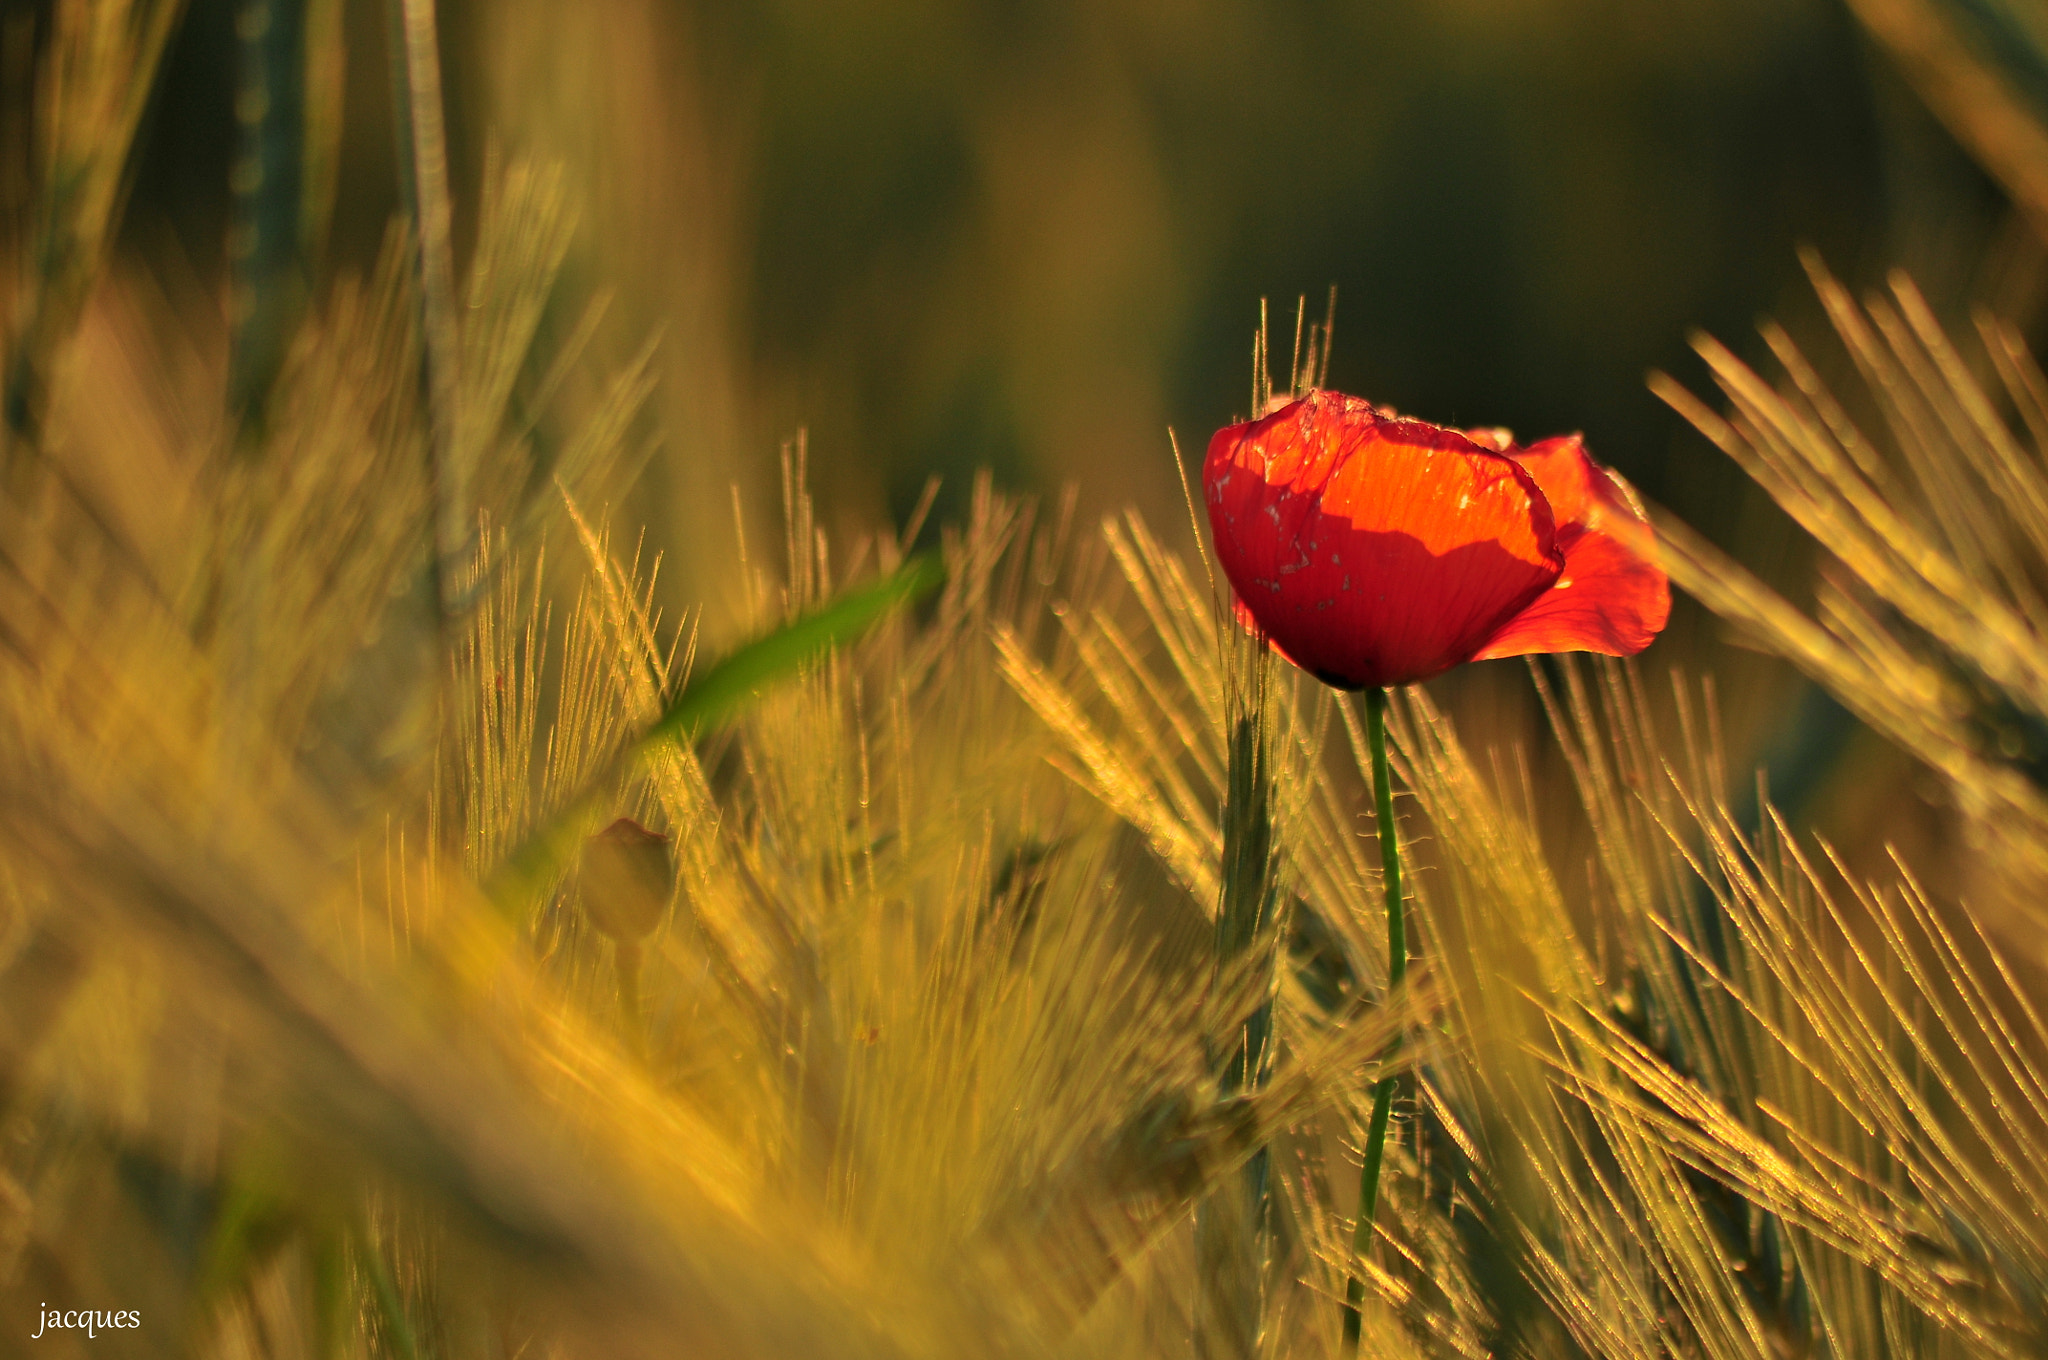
(1371, 549)
(1608, 599)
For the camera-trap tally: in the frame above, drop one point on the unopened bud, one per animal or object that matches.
(627, 873)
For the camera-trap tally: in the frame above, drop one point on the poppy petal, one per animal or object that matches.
(1374, 550)
(1609, 599)
(1249, 621)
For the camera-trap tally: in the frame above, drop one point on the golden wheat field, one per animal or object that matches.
(512, 847)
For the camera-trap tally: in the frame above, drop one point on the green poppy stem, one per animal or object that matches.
(1397, 969)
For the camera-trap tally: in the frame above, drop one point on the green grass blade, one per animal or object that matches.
(728, 686)
(399, 1338)
(1233, 1226)
(707, 699)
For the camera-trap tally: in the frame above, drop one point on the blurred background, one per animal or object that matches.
(1033, 235)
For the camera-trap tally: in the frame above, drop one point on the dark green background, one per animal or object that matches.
(1030, 234)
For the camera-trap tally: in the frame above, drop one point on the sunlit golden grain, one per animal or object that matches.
(918, 1038)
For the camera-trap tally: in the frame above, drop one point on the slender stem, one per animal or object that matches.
(1233, 1232)
(1397, 969)
(423, 167)
(626, 960)
(267, 269)
(95, 120)
(1390, 845)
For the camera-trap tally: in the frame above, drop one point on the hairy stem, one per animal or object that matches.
(1397, 969)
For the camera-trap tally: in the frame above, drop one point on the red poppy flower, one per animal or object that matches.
(1376, 550)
